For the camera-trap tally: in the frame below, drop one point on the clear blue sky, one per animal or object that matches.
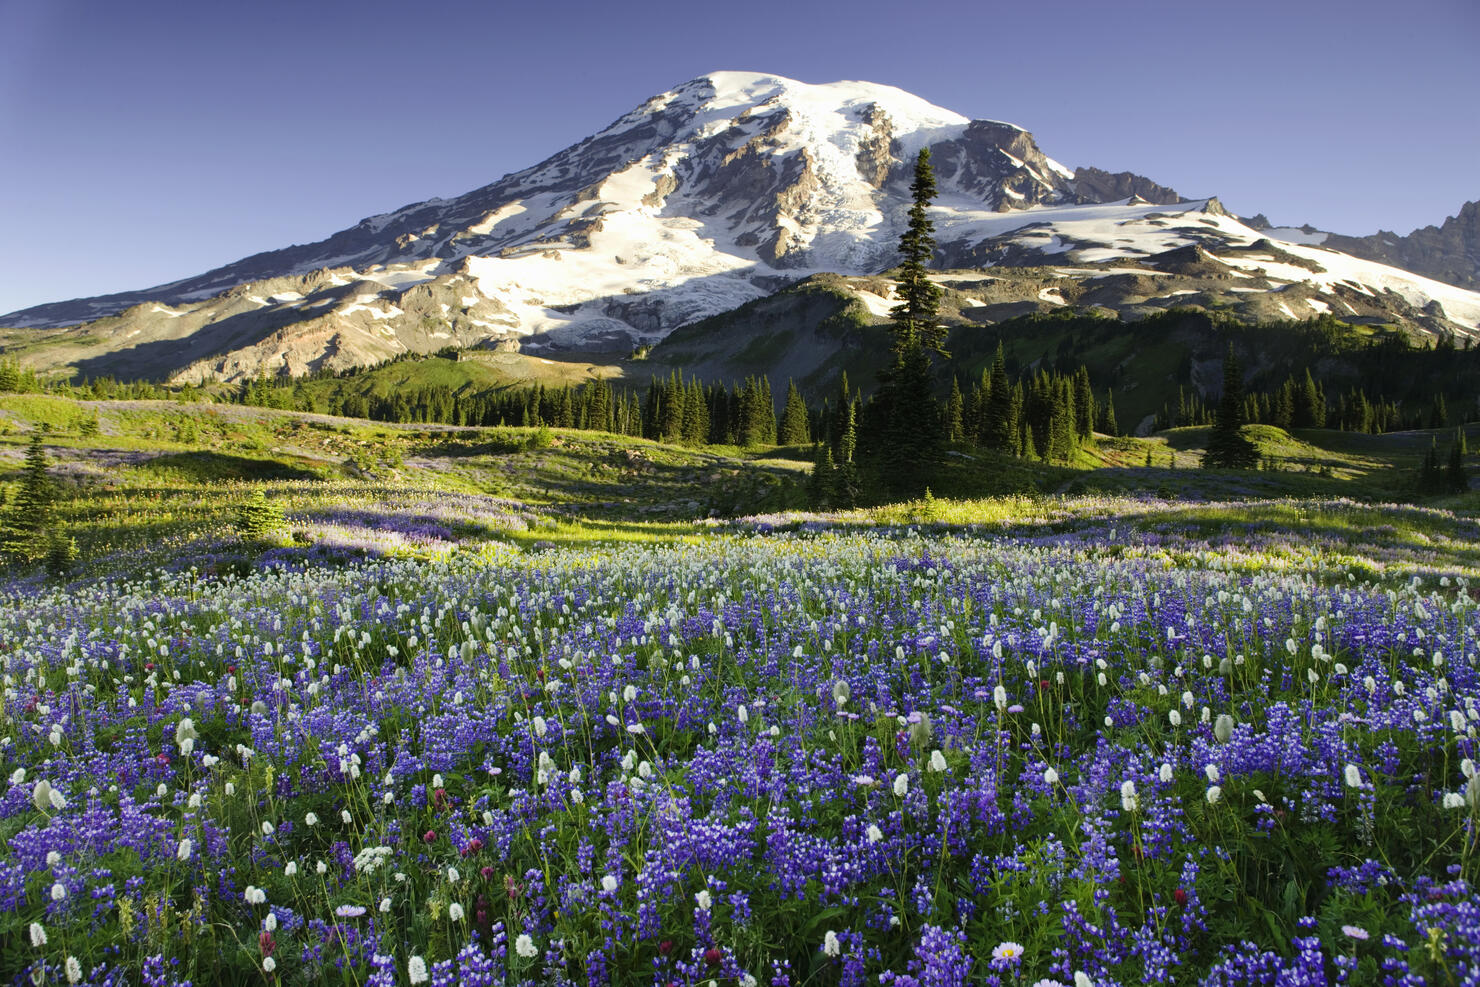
(146, 141)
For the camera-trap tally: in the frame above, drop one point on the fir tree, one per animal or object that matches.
(1227, 446)
(916, 315)
(842, 413)
(1430, 476)
(848, 444)
(767, 412)
(904, 418)
(1438, 412)
(955, 414)
(1084, 405)
(822, 479)
(794, 430)
(61, 555)
(31, 515)
(1310, 405)
(1455, 476)
(258, 519)
(1000, 429)
(1284, 405)
(1108, 424)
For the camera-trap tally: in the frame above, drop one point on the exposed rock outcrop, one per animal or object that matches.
(1449, 252)
(1095, 185)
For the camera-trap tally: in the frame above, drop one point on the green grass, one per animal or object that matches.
(157, 476)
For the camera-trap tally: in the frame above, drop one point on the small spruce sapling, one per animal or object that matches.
(258, 519)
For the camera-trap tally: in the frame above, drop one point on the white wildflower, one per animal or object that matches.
(1128, 800)
(1223, 728)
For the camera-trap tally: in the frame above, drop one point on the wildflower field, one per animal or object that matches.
(1133, 743)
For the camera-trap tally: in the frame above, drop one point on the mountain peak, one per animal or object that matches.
(910, 112)
(701, 199)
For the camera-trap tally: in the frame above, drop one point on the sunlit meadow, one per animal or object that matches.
(1073, 742)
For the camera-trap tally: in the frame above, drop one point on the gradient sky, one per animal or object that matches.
(146, 141)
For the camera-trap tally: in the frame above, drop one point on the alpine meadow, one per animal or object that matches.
(797, 536)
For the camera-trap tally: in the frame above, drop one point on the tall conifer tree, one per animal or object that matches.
(904, 417)
(1227, 447)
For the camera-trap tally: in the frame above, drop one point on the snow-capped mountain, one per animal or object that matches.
(1449, 252)
(701, 199)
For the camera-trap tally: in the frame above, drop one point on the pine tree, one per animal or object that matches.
(905, 424)
(1084, 405)
(1026, 447)
(1430, 476)
(915, 317)
(767, 412)
(1455, 476)
(1108, 424)
(848, 444)
(258, 519)
(955, 414)
(31, 515)
(842, 413)
(1227, 446)
(1310, 405)
(1060, 446)
(794, 430)
(975, 423)
(1284, 405)
(61, 555)
(822, 479)
(1000, 429)
(1438, 411)
(904, 430)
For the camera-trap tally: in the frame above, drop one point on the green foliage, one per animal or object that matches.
(30, 516)
(904, 429)
(1107, 423)
(1455, 476)
(917, 316)
(1000, 428)
(904, 425)
(1227, 446)
(61, 555)
(259, 519)
(794, 429)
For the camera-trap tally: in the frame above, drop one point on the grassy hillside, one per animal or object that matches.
(153, 482)
(149, 477)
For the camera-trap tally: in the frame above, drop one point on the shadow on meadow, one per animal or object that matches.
(617, 480)
(205, 467)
